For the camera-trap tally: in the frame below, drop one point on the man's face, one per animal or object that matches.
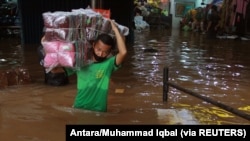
(101, 51)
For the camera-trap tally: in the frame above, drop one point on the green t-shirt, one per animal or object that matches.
(92, 84)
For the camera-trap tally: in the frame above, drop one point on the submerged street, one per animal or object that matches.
(218, 69)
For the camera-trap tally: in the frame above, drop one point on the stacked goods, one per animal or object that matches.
(68, 36)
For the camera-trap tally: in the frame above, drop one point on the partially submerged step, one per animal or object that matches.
(176, 116)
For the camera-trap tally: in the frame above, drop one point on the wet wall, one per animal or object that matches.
(32, 21)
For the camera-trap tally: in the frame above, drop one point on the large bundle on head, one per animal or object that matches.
(67, 36)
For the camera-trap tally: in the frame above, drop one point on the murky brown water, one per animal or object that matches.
(217, 69)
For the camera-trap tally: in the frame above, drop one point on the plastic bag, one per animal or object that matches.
(56, 76)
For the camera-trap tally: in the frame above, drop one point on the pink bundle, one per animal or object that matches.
(59, 54)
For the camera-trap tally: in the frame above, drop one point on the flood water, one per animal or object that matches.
(218, 69)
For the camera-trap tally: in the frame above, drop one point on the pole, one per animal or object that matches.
(96, 4)
(165, 84)
(218, 104)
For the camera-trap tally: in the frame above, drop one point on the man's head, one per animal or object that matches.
(102, 47)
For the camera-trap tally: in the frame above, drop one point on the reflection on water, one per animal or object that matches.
(217, 69)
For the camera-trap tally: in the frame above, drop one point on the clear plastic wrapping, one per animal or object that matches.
(73, 54)
(68, 36)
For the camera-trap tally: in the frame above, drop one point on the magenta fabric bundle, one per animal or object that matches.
(57, 19)
(59, 54)
(60, 26)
